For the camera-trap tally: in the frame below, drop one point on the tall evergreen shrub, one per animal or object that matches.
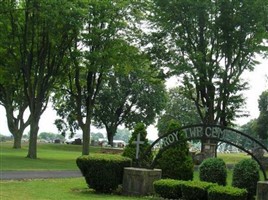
(175, 161)
(130, 149)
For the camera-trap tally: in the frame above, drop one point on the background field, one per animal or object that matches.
(62, 157)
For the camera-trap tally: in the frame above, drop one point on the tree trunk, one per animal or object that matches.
(32, 151)
(86, 139)
(17, 139)
(110, 136)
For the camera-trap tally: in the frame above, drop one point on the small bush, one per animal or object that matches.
(246, 175)
(226, 193)
(168, 188)
(195, 190)
(213, 170)
(103, 172)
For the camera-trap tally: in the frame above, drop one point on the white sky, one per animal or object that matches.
(257, 82)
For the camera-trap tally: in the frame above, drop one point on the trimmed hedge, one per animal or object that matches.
(195, 190)
(213, 170)
(168, 188)
(246, 175)
(103, 172)
(226, 193)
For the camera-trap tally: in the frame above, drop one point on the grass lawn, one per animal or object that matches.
(61, 157)
(233, 158)
(50, 157)
(54, 189)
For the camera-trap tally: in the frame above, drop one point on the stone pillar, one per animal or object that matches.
(262, 190)
(139, 181)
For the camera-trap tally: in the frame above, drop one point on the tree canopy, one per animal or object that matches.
(209, 44)
(39, 34)
(127, 99)
(102, 47)
(178, 108)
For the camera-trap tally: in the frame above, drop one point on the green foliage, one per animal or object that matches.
(246, 175)
(213, 170)
(195, 190)
(226, 193)
(175, 161)
(135, 97)
(130, 149)
(50, 136)
(211, 43)
(178, 107)
(103, 173)
(262, 127)
(168, 188)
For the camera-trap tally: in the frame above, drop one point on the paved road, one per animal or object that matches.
(19, 175)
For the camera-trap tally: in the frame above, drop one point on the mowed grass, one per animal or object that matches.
(233, 158)
(50, 157)
(54, 189)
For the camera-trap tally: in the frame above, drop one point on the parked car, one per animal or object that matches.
(77, 139)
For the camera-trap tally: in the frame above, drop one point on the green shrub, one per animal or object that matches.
(175, 161)
(213, 170)
(168, 188)
(103, 172)
(195, 190)
(226, 193)
(130, 149)
(246, 175)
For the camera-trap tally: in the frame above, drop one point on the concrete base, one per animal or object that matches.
(139, 181)
(262, 190)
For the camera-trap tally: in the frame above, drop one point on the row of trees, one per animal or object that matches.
(105, 61)
(82, 55)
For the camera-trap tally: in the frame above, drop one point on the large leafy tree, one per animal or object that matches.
(41, 33)
(178, 108)
(133, 98)
(262, 125)
(102, 48)
(209, 44)
(11, 86)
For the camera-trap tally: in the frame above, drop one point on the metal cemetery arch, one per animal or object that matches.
(230, 136)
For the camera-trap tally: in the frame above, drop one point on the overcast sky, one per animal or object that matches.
(257, 82)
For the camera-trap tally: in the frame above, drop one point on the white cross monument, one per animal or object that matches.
(138, 142)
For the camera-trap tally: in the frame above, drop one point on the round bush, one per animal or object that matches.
(213, 170)
(175, 161)
(168, 188)
(103, 172)
(246, 175)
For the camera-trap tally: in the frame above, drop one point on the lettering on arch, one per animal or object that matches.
(214, 132)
